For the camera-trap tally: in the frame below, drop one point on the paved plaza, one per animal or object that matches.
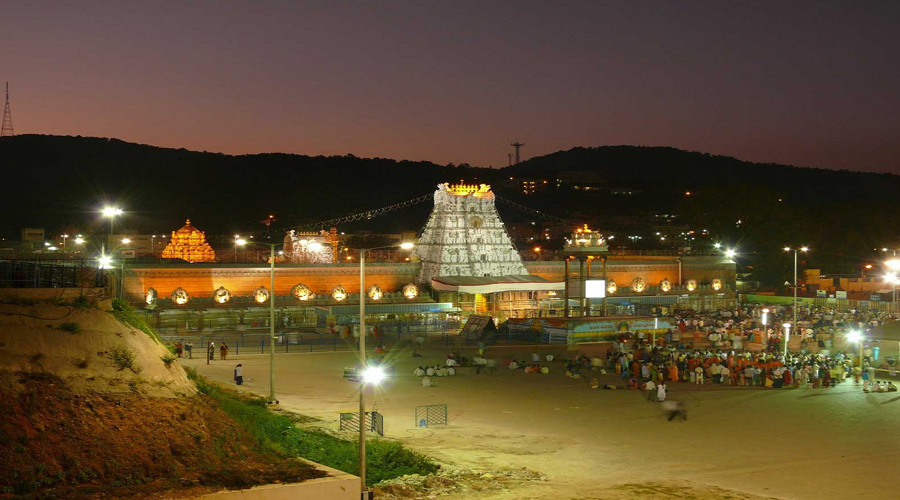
(789, 443)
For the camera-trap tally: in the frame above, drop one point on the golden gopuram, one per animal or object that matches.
(189, 243)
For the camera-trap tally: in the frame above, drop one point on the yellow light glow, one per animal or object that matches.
(893, 264)
(126, 241)
(338, 293)
(410, 291)
(407, 245)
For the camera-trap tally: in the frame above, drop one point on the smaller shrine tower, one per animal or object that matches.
(189, 243)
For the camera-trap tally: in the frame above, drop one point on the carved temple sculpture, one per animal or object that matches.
(464, 236)
(312, 247)
(189, 243)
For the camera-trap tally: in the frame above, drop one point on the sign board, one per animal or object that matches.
(840, 294)
(875, 297)
(128, 253)
(595, 289)
(821, 293)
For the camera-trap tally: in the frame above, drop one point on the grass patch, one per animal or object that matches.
(122, 358)
(123, 312)
(278, 433)
(70, 327)
(168, 359)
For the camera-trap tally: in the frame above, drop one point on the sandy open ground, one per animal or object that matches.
(593, 444)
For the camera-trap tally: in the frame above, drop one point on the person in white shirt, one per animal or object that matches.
(650, 387)
(698, 375)
(426, 382)
(661, 392)
(451, 362)
(419, 372)
(429, 371)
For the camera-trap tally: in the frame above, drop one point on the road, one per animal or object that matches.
(791, 443)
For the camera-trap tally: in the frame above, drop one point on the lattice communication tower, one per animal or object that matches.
(7, 129)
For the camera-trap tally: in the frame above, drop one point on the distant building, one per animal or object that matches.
(581, 181)
(33, 234)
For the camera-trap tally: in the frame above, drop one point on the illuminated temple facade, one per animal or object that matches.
(464, 236)
(189, 244)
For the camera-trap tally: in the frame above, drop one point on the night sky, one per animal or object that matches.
(805, 83)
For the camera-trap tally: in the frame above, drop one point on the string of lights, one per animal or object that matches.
(368, 214)
(532, 211)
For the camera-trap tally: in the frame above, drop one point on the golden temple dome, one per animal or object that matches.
(189, 243)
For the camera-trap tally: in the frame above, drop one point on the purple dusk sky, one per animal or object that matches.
(811, 83)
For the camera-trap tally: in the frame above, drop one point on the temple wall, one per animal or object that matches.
(651, 268)
(201, 279)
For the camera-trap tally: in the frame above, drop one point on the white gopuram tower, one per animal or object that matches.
(464, 236)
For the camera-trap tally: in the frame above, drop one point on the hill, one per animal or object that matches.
(91, 409)
(760, 207)
(57, 180)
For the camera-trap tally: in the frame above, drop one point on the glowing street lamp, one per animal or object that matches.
(110, 212)
(730, 253)
(856, 337)
(893, 280)
(104, 261)
(126, 241)
(79, 240)
(64, 238)
(371, 375)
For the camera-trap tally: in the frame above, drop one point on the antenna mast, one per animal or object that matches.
(7, 129)
(518, 145)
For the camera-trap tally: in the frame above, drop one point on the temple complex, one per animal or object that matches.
(189, 244)
(311, 247)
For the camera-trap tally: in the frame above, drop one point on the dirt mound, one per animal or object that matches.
(56, 443)
(88, 349)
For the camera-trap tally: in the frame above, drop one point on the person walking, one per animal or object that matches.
(190, 350)
(661, 392)
(239, 374)
(675, 409)
(223, 351)
(650, 387)
(210, 352)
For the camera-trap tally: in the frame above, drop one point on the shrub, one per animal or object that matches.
(70, 327)
(168, 359)
(81, 363)
(385, 459)
(81, 302)
(123, 312)
(123, 358)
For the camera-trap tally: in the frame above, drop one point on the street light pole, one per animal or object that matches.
(362, 357)
(243, 242)
(272, 399)
(364, 493)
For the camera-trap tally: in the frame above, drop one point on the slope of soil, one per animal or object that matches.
(88, 349)
(56, 443)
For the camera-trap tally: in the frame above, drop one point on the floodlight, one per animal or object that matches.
(104, 261)
(854, 336)
(109, 211)
(241, 241)
(730, 253)
(407, 245)
(373, 375)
